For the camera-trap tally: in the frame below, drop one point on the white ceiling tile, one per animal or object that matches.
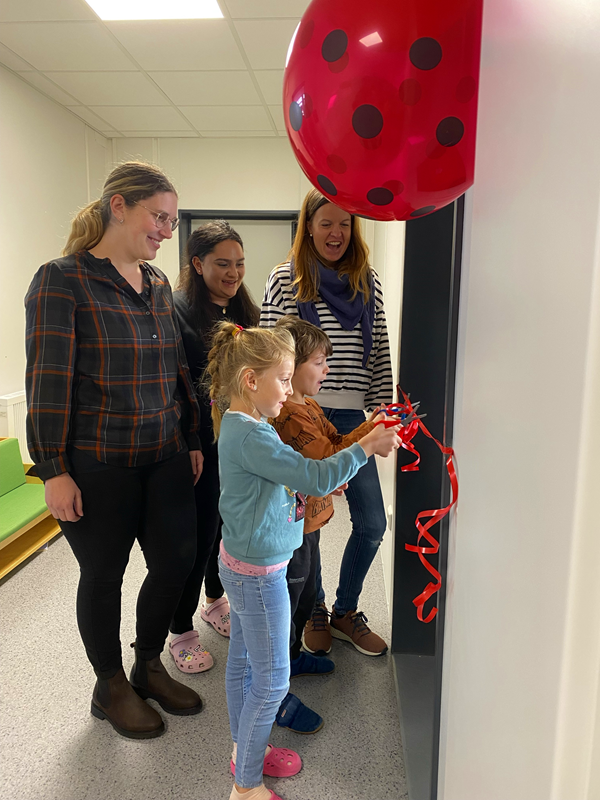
(160, 134)
(110, 88)
(64, 45)
(43, 10)
(12, 60)
(139, 118)
(243, 9)
(231, 88)
(92, 119)
(271, 84)
(227, 118)
(266, 41)
(44, 85)
(180, 44)
(277, 112)
(238, 134)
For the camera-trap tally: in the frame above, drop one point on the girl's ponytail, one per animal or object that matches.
(218, 367)
(236, 350)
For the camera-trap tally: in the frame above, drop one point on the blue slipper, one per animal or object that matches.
(306, 664)
(293, 714)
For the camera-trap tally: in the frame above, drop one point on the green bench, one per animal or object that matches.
(25, 522)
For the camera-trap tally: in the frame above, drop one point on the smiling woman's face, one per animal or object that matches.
(331, 229)
(223, 271)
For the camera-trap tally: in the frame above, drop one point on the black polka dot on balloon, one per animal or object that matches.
(327, 185)
(420, 212)
(334, 45)
(425, 53)
(450, 131)
(367, 121)
(295, 115)
(380, 196)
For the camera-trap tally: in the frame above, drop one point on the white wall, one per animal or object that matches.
(522, 657)
(49, 162)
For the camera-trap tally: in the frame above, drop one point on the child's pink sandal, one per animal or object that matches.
(217, 615)
(279, 763)
(188, 654)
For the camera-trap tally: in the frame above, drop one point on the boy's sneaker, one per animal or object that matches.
(352, 627)
(316, 637)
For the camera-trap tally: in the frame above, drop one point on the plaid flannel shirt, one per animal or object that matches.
(106, 369)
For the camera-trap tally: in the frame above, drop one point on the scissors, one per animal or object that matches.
(402, 415)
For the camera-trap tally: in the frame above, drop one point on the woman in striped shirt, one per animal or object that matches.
(328, 281)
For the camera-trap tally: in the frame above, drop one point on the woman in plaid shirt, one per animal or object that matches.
(113, 431)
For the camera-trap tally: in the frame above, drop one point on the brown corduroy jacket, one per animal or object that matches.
(306, 428)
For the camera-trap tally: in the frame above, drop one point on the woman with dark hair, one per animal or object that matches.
(210, 289)
(328, 281)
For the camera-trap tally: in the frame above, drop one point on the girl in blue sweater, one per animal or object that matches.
(262, 486)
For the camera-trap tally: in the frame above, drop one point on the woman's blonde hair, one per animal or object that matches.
(236, 350)
(354, 262)
(136, 181)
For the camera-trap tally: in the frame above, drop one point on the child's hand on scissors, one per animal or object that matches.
(376, 414)
(381, 414)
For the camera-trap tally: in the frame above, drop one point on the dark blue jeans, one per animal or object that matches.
(369, 522)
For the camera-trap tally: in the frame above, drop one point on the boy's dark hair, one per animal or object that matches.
(307, 337)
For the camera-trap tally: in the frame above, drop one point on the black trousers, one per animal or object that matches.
(153, 504)
(302, 585)
(208, 537)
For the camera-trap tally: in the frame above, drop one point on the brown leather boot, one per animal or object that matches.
(115, 700)
(151, 680)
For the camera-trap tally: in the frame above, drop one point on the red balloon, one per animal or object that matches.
(380, 102)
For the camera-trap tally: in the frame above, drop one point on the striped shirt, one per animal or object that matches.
(106, 369)
(349, 384)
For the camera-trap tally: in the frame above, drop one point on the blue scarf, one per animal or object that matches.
(334, 290)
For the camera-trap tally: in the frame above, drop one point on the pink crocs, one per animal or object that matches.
(188, 654)
(217, 615)
(279, 763)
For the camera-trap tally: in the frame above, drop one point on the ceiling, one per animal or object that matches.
(193, 78)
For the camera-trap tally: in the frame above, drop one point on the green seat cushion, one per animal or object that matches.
(12, 471)
(19, 507)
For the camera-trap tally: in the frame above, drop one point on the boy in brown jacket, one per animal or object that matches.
(303, 425)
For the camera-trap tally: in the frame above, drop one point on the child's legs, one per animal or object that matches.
(296, 576)
(258, 669)
(264, 613)
(302, 586)
(238, 673)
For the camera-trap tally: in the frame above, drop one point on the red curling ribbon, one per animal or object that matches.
(433, 516)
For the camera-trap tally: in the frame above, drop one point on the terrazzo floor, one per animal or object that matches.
(51, 748)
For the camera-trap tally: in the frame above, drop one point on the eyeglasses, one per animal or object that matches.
(161, 218)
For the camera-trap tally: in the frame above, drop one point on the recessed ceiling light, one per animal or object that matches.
(156, 9)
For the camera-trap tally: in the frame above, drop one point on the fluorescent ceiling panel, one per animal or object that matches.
(156, 9)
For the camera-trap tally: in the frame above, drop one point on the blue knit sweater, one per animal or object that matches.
(260, 476)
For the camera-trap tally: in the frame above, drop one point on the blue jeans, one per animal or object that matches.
(369, 522)
(257, 677)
